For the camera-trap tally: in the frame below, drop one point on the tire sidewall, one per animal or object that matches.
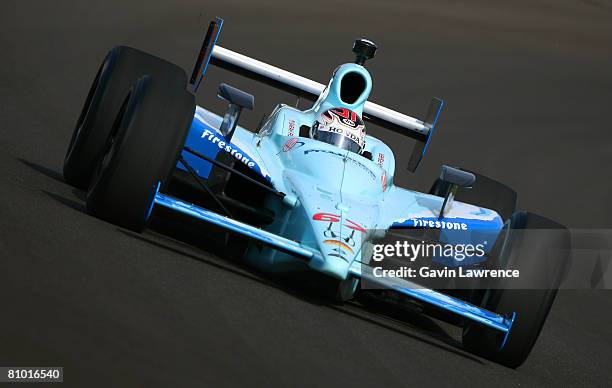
(525, 246)
(150, 137)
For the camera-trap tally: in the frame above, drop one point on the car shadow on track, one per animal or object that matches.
(43, 170)
(57, 176)
(76, 205)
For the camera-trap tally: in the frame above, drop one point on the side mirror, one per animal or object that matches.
(237, 101)
(451, 179)
(457, 177)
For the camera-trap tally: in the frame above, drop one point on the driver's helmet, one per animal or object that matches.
(341, 127)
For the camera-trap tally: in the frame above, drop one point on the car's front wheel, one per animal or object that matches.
(119, 70)
(141, 152)
(539, 249)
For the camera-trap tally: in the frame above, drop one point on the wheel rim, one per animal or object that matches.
(347, 287)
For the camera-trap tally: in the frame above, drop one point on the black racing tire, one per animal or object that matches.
(119, 70)
(338, 291)
(141, 151)
(485, 192)
(539, 249)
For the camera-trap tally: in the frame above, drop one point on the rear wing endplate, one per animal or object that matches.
(201, 65)
(420, 147)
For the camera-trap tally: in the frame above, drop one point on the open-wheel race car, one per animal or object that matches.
(309, 188)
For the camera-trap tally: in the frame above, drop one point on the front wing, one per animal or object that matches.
(357, 269)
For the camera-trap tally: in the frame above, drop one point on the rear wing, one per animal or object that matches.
(276, 77)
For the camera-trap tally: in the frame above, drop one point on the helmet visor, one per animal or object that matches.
(337, 139)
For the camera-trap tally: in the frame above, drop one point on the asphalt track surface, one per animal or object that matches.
(528, 87)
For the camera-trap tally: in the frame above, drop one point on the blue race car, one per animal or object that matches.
(309, 189)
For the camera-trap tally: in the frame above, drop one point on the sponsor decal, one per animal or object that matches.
(227, 147)
(333, 218)
(291, 129)
(342, 244)
(355, 162)
(339, 244)
(438, 224)
(383, 181)
(380, 159)
(202, 138)
(291, 143)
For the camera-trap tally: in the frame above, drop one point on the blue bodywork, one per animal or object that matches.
(335, 200)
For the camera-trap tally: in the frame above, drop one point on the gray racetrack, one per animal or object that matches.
(528, 86)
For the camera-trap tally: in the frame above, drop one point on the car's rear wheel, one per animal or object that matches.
(141, 151)
(119, 70)
(539, 249)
